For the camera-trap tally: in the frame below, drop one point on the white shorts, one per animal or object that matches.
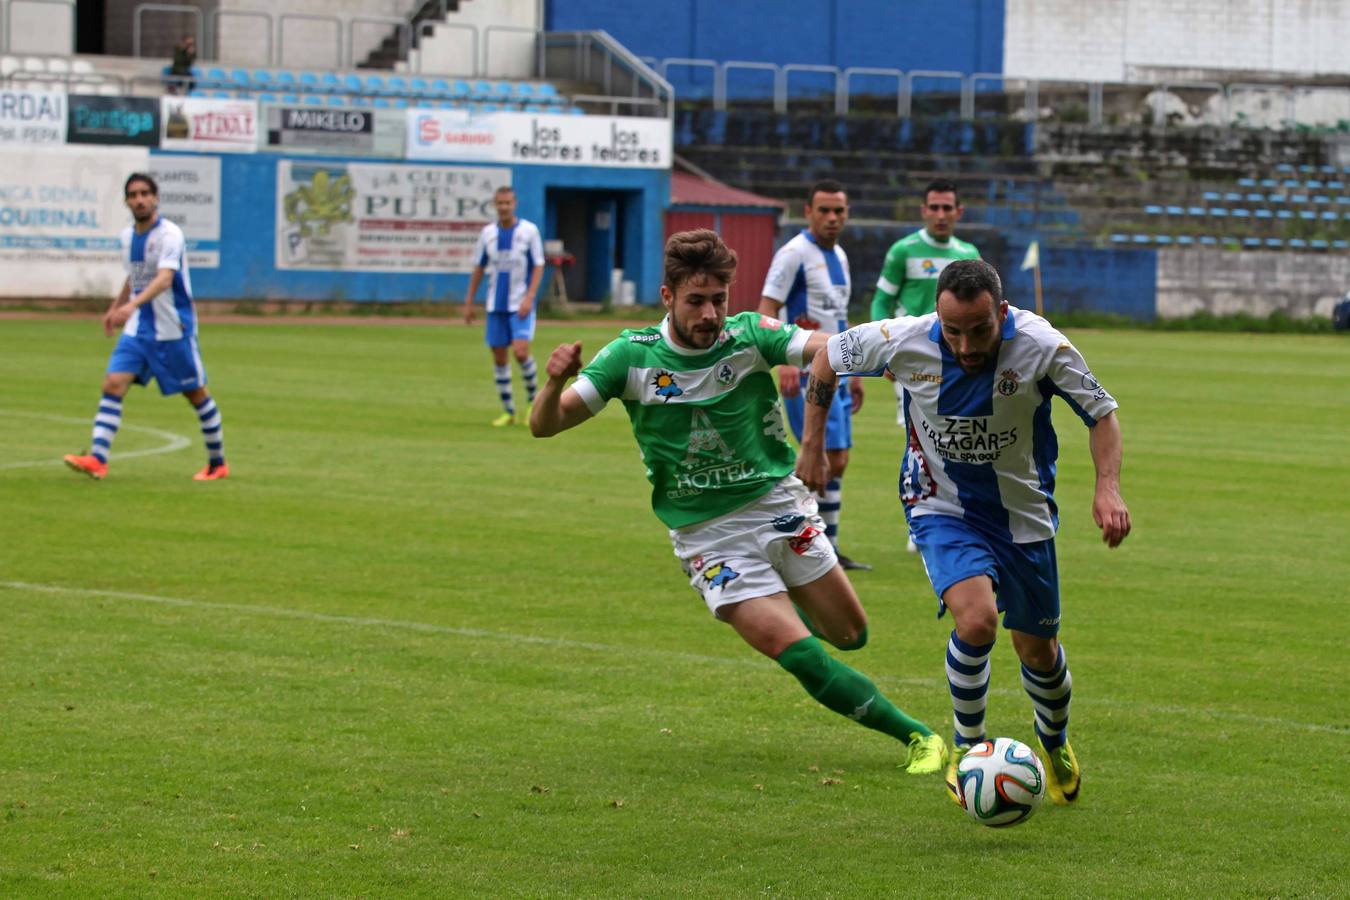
(763, 548)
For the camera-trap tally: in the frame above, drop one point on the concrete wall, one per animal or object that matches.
(1260, 283)
(306, 44)
(1121, 40)
(43, 28)
(502, 53)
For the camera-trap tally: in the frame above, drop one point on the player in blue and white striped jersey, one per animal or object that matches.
(159, 333)
(978, 482)
(512, 252)
(809, 285)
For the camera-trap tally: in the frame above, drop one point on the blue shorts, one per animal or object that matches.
(839, 425)
(175, 365)
(1025, 576)
(503, 328)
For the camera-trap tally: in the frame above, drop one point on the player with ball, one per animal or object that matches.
(977, 481)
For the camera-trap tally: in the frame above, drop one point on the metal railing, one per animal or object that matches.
(594, 56)
(402, 27)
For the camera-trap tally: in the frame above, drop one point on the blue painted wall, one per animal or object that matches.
(248, 235)
(1079, 279)
(965, 35)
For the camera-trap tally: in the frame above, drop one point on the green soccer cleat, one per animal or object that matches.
(954, 761)
(1062, 774)
(503, 420)
(927, 754)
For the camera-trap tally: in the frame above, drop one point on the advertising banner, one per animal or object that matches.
(553, 140)
(376, 217)
(211, 126)
(337, 132)
(32, 117)
(189, 196)
(112, 120)
(61, 211)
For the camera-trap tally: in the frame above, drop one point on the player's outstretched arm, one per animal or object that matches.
(558, 407)
(812, 466)
(1108, 507)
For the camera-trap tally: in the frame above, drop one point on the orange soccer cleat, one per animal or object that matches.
(213, 473)
(89, 465)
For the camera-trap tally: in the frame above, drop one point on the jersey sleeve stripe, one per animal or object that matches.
(588, 394)
(889, 287)
(796, 347)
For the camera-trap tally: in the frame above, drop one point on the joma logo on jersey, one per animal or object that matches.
(925, 376)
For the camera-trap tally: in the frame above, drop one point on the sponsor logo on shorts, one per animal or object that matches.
(720, 575)
(725, 373)
(1054, 621)
(788, 524)
(1008, 383)
(665, 385)
(800, 543)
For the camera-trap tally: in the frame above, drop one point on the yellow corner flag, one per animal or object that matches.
(1033, 258)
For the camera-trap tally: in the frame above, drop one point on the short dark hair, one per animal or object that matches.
(689, 253)
(504, 189)
(824, 186)
(942, 186)
(968, 278)
(140, 176)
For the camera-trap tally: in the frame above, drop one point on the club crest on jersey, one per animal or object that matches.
(720, 575)
(929, 267)
(725, 373)
(788, 523)
(800, 543)
(665, 385)
(1008, 383)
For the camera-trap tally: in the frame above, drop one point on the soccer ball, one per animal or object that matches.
(1000, 782)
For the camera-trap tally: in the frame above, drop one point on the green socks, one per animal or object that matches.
(847, 691)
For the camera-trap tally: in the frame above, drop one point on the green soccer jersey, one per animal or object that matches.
(911, 272)
(706, 421)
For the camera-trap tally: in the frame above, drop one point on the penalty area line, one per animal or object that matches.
(305, 615)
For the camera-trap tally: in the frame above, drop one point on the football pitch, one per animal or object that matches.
(400, 653)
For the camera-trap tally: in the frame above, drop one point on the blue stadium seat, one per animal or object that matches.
(314, 100)
(332, 84)
(1185, 240)
(1284, 167)
(577, 111)
(261, 78)
(336, 99)
(1318, 244)
(1153, 210)
(1269, 183)
(487, 107)
(222, 95)
(375, 85)
(1343, 201)
(1307, 214)
(1242, 213)
(483, 91)
(1218, 212)
(1274, 243)
(1141, 238)
(1208, 240)
(1328, 170)
(397, 85)
(1313, 184)
(505, 91)
(239, 77)
(546, 90)
(1264, 214)
(1297, 243)
(215, 78)
(1175, 211)
(196, 93)
(1340, 244)
(440, 88)
(1307, 169)
(1256, 198)
(1330, 216)
(1321, 198)
(1335, 185)
(380, 103)
(358, 100)
(448, 104)
(460, 89)
(400, 102)
(1251, 242)
(352, 84)
(1120, 238)
(1211, 196)
(1284, 214)
(267, 97)
(1291, 183)
(556, 110)
(1277, 198)
(420, 87)
(285, 81)
(1298, 198)
(1163, 239)
(1232, 196)
(1246, 182)
(310, 82)
(290, 98)
(536, 108)
(1195, 210)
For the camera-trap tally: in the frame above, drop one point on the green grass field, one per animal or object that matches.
(400, 653)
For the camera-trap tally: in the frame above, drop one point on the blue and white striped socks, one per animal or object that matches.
(106, 422)
(503, 376)
(530, 374)
(968, 679)
(829, 509)
(1050, 693)
(209, 415)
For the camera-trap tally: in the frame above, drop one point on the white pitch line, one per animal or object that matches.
(175, 441)
(507, 637)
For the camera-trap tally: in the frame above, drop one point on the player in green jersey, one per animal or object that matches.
(700, 393)
(913, 264)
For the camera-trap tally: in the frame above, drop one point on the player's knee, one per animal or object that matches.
(1042, 656)
(852, 640)
(977, 626)
(808, 662)
(114, 386)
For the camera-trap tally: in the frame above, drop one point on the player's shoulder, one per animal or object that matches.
(1037, 328)
(170, 229)
(966, 247)
(907, 243)
(489, 231)
(126, 234)
(905, 329)
(793, 247)
(526, 227)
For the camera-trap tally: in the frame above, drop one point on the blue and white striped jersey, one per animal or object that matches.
(812, 283)
(170, 315)
(981, 446)
(510, 256)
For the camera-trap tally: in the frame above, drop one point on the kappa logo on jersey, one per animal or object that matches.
(644, 338)
(769, 323)
(788, 523)
(720, 575)
(800, 543)
(1008, 383)
(665, 385)
(725, 373)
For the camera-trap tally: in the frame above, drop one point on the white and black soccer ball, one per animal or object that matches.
(1000, 782)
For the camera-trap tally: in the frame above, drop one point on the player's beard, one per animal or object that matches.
(697, 339)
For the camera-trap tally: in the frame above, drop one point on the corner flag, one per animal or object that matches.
(1033, 257)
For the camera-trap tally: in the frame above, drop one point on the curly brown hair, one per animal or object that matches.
(689, 253)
